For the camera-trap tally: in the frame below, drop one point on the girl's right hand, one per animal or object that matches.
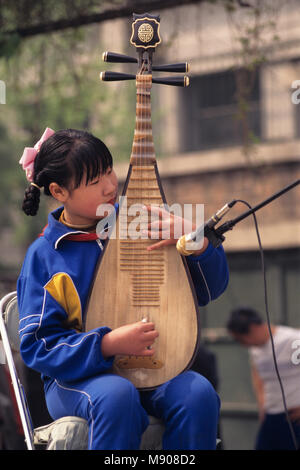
(133, 339)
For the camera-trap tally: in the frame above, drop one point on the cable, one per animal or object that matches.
(269, 325)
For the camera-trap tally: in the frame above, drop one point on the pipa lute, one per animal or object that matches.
(131, 283)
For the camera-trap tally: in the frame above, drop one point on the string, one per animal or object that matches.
(140, 161)
(148, 140)
(144, 149)
(145, 123)
(142, 155)
(141, 97)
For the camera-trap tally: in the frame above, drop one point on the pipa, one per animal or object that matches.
(131, 283)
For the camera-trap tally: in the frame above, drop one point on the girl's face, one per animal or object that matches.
(80, 204)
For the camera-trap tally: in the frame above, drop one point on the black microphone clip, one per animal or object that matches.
(209, 232)
(193, 241)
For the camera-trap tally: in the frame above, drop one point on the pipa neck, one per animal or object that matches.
(143, 148)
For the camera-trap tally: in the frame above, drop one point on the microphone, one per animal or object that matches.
(188, 244)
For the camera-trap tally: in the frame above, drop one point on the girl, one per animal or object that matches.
(76, 168)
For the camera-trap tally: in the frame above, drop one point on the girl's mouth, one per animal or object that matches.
(111, 201)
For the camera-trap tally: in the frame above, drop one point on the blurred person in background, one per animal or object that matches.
(247, 328)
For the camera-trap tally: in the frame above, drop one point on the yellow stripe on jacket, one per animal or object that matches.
(63, 290)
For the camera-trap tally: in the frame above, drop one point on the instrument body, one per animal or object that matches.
(132, 284)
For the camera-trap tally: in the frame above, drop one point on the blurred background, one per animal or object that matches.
(233, 133)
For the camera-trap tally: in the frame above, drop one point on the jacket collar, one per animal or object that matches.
(55, 231)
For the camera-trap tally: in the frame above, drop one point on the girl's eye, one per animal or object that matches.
(108, 172)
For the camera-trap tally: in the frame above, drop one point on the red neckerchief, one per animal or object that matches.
(76, 237)
(81, 237)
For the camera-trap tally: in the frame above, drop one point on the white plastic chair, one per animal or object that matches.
(67, 433)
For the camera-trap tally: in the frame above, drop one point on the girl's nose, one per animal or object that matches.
(110, 186)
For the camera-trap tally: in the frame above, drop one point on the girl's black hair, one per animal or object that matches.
(242, 318)
(65, 158)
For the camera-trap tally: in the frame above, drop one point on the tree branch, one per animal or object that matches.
(136, 6)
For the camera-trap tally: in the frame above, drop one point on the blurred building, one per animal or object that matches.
(201, 158)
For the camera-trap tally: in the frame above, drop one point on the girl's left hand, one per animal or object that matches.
(168, 228)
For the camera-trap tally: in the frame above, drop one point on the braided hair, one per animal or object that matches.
(65, 158)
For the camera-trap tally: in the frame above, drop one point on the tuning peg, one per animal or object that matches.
(121, 58)
(114, 76)
(117, 58)
(175, 81)
(181, 67)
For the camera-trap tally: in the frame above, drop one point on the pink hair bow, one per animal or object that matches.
(29, 154)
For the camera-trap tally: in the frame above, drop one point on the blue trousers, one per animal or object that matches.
(274, 433)
(117, 413)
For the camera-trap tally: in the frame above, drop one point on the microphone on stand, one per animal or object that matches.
(215, 236)
(188, 244)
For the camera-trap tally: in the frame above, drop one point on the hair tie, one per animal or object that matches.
(35, 185)
(30, 153)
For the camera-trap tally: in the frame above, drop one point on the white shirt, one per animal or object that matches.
(287, 351)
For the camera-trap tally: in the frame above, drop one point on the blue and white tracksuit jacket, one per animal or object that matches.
(53, 288)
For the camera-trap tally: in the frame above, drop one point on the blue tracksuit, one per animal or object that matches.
(52, 290)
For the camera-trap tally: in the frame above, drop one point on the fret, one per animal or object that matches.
(137, 198)
(146, 155)
(145, 119)
(142, 144)
(143, 106)
(144, 130)
(138, 178)
(141, 188)
(142, 159)
(145, 168)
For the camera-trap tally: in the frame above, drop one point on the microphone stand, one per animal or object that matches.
(215, 235)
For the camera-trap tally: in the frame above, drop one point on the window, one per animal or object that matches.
(210, 110)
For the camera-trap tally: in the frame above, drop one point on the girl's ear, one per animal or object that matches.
(58, 192)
